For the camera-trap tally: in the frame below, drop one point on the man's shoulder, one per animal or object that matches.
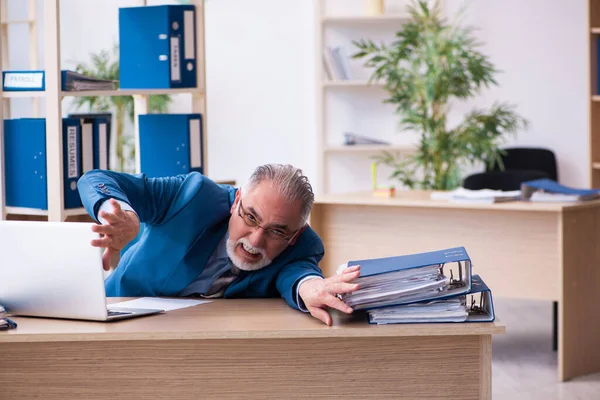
(308, 243)
(196, 183)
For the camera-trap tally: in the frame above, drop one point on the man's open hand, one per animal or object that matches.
(121, 228)
(320, 293)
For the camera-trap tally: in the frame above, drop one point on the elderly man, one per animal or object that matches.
(189, 236)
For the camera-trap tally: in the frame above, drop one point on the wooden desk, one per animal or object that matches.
(522, 250)
(233, 349)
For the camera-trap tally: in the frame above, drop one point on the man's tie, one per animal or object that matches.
(220, 284)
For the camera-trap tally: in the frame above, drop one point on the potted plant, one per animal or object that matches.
(429, 64)
(105, 65)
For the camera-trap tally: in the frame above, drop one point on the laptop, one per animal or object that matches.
(50, 269)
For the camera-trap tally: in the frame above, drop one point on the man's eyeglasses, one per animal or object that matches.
(251, 220)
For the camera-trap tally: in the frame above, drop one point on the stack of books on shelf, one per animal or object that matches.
(431, 287)
(33, 80)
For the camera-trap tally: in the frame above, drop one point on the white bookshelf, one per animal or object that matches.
(346, 21)
(53, 99)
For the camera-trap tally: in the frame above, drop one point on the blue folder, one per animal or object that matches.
(95, 132)
(551, 186)
(478, 302)
(170, 144)
(383, 265)
(25, 162)
(380, 278)
(157, 47)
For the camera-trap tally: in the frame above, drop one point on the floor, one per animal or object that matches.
(524, 365)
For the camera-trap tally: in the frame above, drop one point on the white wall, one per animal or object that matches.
(261, 72)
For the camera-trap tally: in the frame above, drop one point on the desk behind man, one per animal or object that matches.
(188, 236)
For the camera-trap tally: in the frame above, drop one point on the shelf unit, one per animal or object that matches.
(354, 88)
(594, 93)
(31, 22)
(54, 96)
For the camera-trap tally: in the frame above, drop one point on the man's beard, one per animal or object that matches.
(245, 265)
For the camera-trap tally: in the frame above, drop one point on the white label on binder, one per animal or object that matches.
(189, 51)
(195, 145)
(24, 80)
(87, 146)
(102, 147)
(175, 59)
(72, 167)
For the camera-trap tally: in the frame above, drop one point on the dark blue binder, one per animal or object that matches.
(170, 144)
(478, 303)
(25, 162)
(383, 265)
(95, 132)
(384, 282)
(157, 47)
(551, 186)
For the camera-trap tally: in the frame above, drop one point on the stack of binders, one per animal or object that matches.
(85, 147)
(25, 162)
(429, 287)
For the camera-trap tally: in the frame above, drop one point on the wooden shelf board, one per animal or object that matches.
(365, 19)
(595, 31)
(131, 92)
(369, 148)
(36, 211)
(24, 94)
(596, 165)
(17, 21)
(596, 97)
(353, 83)
(119, 92)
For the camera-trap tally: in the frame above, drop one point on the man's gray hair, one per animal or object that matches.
(289, 181)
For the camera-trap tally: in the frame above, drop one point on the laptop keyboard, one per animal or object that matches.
(114, 313)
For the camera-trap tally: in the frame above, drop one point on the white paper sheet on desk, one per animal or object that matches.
(157, 303)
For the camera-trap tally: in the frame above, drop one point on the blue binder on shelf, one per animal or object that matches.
(475, 306)
(170, 144)
(95, 140)
(25, 162)
(410, 278)
(157, 47)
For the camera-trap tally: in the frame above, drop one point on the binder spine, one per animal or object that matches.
(175, 38)
(87, 145)
(195, 140)
(102, 146)
(72, 161)
(189, 64)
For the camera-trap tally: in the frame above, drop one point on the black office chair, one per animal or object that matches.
(530, 159)
(520, 164)
(501, 180)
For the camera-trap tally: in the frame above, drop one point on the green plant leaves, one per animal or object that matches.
(429, 64)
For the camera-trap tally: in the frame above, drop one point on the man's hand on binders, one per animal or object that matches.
(121, 228)
(320, 293)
